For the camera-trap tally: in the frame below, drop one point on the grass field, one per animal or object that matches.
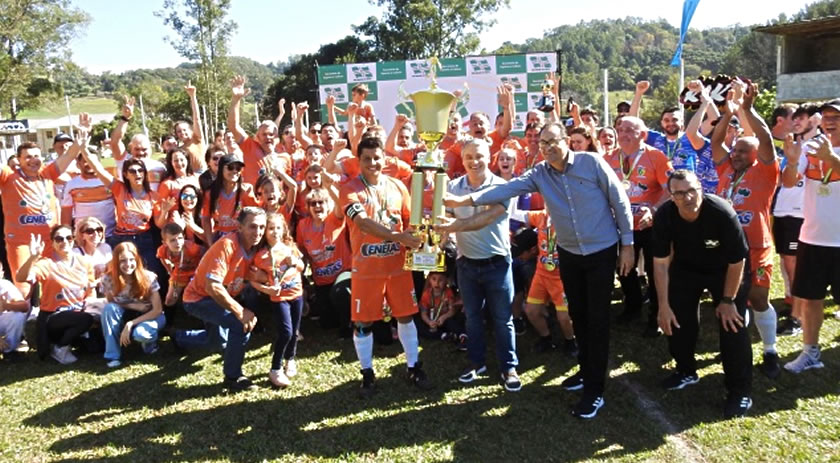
(91, 105)
(172, 408)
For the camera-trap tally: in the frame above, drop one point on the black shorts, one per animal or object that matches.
(817, 268)
(786, 234)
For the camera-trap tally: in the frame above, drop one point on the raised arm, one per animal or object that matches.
(719, 149)
(793, 152)
(508, 107)
(281, 111)
(391, 142)
(238, 90)
(692, 131)
(766, 150)
(302, 137)
(126, 113)
(81, 147)
(198, 131)
(641, 87)
(331, 110)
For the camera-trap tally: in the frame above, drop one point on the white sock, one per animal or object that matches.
(765, 322)
(408, 338)
(364, 349)
(812, 349)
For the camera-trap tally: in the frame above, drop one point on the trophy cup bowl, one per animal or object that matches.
(431, 108)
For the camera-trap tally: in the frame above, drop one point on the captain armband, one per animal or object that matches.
(355, 209)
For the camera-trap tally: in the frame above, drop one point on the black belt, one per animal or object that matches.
(487, 261)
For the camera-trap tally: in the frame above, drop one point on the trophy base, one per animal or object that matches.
(419, 261)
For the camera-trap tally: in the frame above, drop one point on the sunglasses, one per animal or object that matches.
(216, 158)
(136, 171)
(188, 196)
(63, 238)
(91, 231)
(234, 167)
(316, 203)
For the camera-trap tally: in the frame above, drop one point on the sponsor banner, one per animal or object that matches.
(338, 117)
(452, 67)
(535, 81)
(518, 123)
(361, 72)
(511, 64)
(417, 68)
(340, 92)
(534, 100)
(541, 62)
(519, 82)
(481, 65)
(391, 70)
(373, 93)
(332, 74)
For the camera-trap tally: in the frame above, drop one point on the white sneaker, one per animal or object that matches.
(803, 362)
(291, 368)
(63, 355)
(278, 378)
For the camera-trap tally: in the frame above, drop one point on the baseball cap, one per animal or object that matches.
(231, 159)
(61, 138)
(833, 104)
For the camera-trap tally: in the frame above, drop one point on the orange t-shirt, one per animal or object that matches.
(283, 160)
(64, 285)
(647, 178)
(408, 155)
(396, 168)
(171, 187)
(452, 161)
(29, 206)
(134, 215)
(181, 267)
(291, 284)
(542, 222)
(252, 154)
(224, 214)
(387, 203)
(751, 198)
(350, 169)
(226, 263)
(428, 301)
(328, 248)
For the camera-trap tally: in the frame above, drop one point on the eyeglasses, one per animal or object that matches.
(91, 231)
(62, 238)
(684, 194)
(136, 171)
(553, 142)
(234, 167)
(188, 196)
(216, 158)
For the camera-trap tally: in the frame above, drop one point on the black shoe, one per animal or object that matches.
(736, 406)
(651, 332)
(679, 381)
(368, 387)
(627, 316)
(418, 378)
(544, 344)
(519, 326)
(574, 382)
(588, 407)
(511, 381)
(239, 384)
(570, 348)
(789, 327)
(770, 365)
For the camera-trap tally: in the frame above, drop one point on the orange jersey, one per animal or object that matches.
(272, 263)
(439, 304)
(452, 161)
(195, 150)
(409, 155)
(30, 206)
(649, 172)
(350, 169)
(388, 204)
(547, 259)
(181, 266)
(751, 196)
(134, 215)
(226, 211)
(327, 246)
(396, 168)
(64, 285)
(171, 187)
(226, 263)
(252, 154)
(282, 160)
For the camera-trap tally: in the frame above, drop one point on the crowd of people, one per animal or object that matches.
(307, 218)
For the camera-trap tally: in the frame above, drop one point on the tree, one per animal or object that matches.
(202, 35)
(413, 29)
(818, 10)
(33, 36)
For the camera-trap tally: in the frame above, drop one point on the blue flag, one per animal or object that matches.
(688, 11)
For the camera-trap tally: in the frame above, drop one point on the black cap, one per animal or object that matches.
(231, 159)
(833, 104)
(62, 137)
(624, 104)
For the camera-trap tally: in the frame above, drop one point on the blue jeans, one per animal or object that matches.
(219, 322)
(146, 333)
(488, 283)
(287, 318)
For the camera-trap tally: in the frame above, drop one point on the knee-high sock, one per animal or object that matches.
(408, 338)
(765, 322)
(364, 349)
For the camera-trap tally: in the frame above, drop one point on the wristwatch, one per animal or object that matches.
(727, 300)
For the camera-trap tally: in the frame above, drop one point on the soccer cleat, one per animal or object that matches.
(368, 387)
(574, 382)
(472, 373)
(736, 406)
(679, 381)
(511, 381)
(418, 378)
(770, 365)
(588, 407)
(278, 379)
(803, 362)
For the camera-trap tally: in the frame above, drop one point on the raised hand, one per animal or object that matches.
(36, 245)
(732, 104)
(401, 120)
(330, 101)
(792, 149)
(128, 106)
(237, 87)
(642, 86)
(749, 96)
(190, 89)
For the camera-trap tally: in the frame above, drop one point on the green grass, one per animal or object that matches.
(171, 408)
(92, 105)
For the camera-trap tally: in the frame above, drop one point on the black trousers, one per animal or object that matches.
(588, 281)
(685, 288)
(332, 303)
(631, 284)
(64, 327)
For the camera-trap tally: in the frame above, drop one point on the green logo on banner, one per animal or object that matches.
(539, 63)
(518, 123)
(373, 93)
(534, 99)
(452, 67)
(337, 92)
(338, 117)
(405, 108)
(390, 70)
(361, 73)
(535, 81)
(480, 65)
(419, 68)
(514, 82)
(511, 64)
(332, 74)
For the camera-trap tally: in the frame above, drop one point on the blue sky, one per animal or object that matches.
(125, 34)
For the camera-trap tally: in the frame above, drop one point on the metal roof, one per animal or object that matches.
(829, 25)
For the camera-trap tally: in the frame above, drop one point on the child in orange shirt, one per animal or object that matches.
(180, 258)
(440, 311)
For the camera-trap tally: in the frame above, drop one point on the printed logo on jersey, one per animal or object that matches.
(711, 244)
(329, 270)
(38, 219)
(745, 217)
(386, 249)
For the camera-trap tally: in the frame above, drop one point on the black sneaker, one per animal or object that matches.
(679, 380)
(418, 378)
(511, 381)
(519, 326)
(588, 407)
(736, 406)
(368, 387)
(789, 327)
(570, 348)
(472, 373)
(239, 384)
(574, 382)
(544, 344)
(770, 365)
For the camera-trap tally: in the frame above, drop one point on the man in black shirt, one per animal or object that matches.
(699, 244)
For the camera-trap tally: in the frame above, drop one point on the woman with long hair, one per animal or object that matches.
(274, 198)
(186, 213)
(90, 241)
(67, 280)
(282, 265)
(227, 196)
(580, 139)
(179, 173)
(212, 156)
(607, 137)
(133, 298)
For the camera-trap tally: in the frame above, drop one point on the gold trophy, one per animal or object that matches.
(431, 107)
